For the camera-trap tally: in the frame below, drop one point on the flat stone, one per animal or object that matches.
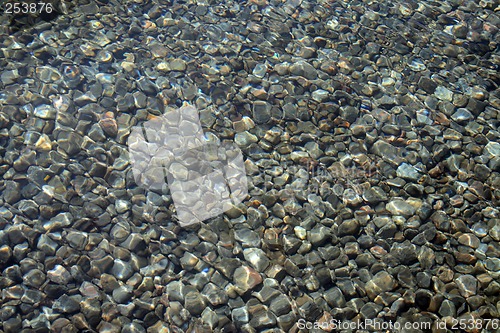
(492, 149)
(381, 282)
(59, 275)
(443, 94)
(469, 240)
(280, 305)
(305, 69)
(374, 194)
(261, 112)
(408, 171)
(122, 294)
(257, 258)
(67, 304)
(400, 207)
(467, 285)
(177, 65)
(427, 84)
(246, 278)
(349, 227)
(194, 303)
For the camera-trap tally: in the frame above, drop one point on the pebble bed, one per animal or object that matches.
(370, 137)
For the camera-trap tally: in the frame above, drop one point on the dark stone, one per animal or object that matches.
(427, 84)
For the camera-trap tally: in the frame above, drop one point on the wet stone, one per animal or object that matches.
(175, 291)
(263, 319)
(177, 65)
(12, 325)
(247, 237)
(467, 285)
(261, 112)
(405, 252)
(67, 304)
(492, 264)
(280, 305)
(492, 149)
(334, 297)
(427, 84)
(240, 315)
(370, 310)
(246, 278)
(400, 207)
(469, 240)
(407, 171)
(374, 195)
(447, 308)
(133, 327)
(34, 278)
(45, 112)
(351, 198)
(382, 281)
(59, 275)
(214, 295)
(304, 69)
(475, 106)
(122, 294)
(260, 70)
(320, 95)
(11, 193)
(443, 94)
(244, 139)
(121, 270)
(257, 258)
(349, 227)
(462, 116)
(194, 302)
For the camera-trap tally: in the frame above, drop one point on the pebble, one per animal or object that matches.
(443, 94)
(246, 278)
(467, 285)
(462, 115)
(59, 275)
(121, 270)
(261, 112)
(194, 302)
(320, 95)
(245, 138)
(427, 84)
(257, 258)
(67, 304)
(492, 149)
(305, 69)
(400, 207)
(381, 282)
(349, 227)
(177, 65)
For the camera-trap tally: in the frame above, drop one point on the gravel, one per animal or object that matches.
(369, 133)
